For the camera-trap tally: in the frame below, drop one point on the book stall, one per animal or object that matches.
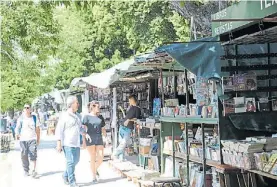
(104, 97)
(146, 139)
(227, 137)
(5, 136)
(248, 93)
(191, 135)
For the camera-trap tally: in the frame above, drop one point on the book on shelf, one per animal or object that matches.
(274, 104)
(228, 84)
(271, 163)
(239, 82)
(263, 104)
(250, 104)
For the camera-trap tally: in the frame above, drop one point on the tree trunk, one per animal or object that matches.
(200, 13)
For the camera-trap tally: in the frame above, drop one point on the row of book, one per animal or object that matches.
(242, 104)
(240, 82)
(251, 144)
(252, 153)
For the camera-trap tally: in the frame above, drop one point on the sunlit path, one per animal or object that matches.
(50, 167)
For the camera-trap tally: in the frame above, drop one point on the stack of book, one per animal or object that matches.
(269, 142)
(215, 181)
(196, 176)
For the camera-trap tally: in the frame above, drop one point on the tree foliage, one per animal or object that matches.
(47, 44)
(28, 38)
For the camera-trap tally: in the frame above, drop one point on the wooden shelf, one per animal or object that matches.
(263, 174)
(249, 68)
(195, 159)
(259, 89)
(192, 120)
(211, 163)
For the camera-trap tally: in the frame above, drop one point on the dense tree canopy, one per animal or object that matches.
(48, 44)
(28, 38)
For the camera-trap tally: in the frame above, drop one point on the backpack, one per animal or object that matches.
(21, 123)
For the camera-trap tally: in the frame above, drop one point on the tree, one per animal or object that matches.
(118, 30)
(28, 38)
(101, 34)
(201, 11)
(47, 44)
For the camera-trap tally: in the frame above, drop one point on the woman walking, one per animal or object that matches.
(95, 127)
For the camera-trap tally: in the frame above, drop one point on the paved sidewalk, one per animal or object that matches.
(50, 167)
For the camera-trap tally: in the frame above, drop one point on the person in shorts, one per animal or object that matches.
(28, 133)
(95, 127)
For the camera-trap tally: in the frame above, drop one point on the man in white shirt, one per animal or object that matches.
(28, 133)
(68, 138)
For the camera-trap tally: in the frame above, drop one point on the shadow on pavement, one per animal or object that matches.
(49, 173)
(102, 181)
(47, 144)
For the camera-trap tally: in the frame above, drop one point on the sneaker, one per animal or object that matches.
(66, 182)
(34, 174)
(74, 185)
(97, 174)
(94, 181)
(26, 174)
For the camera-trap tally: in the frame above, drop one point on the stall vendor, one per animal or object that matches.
(125, 130)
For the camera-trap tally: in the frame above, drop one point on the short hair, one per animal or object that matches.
(133, 97)
(27, 105)
(70, 100)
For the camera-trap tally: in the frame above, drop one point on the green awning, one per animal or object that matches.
(201, 57)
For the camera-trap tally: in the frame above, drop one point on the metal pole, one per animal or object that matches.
(173, 147)
(162, 86)
(187, 92)
(187, 152)
(114, 119)
(204, 154)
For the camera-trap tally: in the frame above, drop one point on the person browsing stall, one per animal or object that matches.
(125, 129)
(68, 133)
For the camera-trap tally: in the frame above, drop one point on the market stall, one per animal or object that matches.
(142, 78)
(248, 88)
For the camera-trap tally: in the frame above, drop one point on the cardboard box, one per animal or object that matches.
(144, 150)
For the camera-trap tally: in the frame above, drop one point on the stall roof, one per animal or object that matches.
(160, 60)
(201, 57)
(135, 69)
(265, 36)
(109, 76)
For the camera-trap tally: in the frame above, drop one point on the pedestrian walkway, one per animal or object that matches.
(50, 167)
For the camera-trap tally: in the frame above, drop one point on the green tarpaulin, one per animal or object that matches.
(201, 57)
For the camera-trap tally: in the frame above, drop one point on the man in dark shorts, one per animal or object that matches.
(125, 129)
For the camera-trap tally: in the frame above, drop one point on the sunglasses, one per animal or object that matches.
(27, 107)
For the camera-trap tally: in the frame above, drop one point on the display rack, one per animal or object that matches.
(261, 122)
(103, 96)
(169, 127)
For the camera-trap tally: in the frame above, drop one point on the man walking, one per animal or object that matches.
(126, 128)
(28, 132)
(68, 138)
